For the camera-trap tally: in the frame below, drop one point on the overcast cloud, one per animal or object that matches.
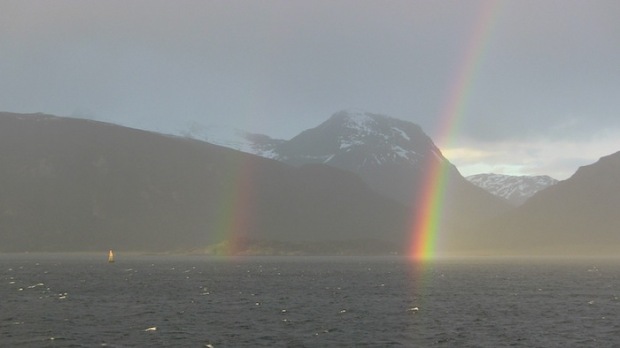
(545, 97)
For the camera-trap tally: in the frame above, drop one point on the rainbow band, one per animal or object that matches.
(236, 210)
(430, 203)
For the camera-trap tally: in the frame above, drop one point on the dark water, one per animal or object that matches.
(81, 301)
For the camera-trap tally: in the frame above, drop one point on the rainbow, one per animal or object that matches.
(429, 205)
(236, 214)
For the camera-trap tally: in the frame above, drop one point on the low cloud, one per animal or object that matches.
(556, 158)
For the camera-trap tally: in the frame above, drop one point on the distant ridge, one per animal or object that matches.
(515, 189)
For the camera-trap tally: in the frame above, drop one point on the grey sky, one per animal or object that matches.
(544, 99)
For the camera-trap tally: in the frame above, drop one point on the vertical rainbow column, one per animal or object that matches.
(430, 203)
(237, 205)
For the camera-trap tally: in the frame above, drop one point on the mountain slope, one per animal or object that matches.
(78, 185)
(515, 189)
(576, 216)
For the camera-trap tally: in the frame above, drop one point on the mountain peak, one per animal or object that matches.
(357, 119)
(360, 139)
(367, 123)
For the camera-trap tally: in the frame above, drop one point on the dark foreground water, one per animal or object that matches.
(152, 301)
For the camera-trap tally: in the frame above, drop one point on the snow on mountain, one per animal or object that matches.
(380, 130)
(381, 139)
(515, 189)
(386, 152)
(234, 138)
(355, 139)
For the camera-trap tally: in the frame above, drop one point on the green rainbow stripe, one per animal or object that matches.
(430, 203)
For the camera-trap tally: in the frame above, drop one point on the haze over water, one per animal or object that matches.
(81, 300)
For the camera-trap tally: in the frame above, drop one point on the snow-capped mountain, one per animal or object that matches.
(387, 153)
(515, 189)
(382, 139)
(379, 148)
(366, 138)
(393, 158)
